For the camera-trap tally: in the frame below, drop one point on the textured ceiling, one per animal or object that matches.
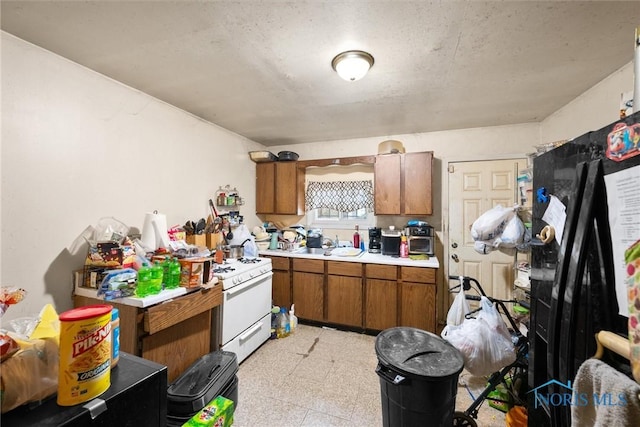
(263, 68)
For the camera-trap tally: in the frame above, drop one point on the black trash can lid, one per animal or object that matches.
(414, 352)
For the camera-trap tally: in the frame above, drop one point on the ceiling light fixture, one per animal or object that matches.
(352, 65)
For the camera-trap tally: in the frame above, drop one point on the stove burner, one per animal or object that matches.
(219, 270)
(249, 260)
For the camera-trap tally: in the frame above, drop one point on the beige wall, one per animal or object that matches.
(77, 146)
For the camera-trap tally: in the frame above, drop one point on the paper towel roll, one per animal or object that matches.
(162, 233)
(154, 231)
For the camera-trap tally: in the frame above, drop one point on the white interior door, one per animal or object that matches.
(474, 188)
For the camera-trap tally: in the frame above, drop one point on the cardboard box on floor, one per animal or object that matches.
(218, 412)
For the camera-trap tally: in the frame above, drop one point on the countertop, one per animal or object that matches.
(365, 257)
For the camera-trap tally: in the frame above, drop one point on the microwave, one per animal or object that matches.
(421, 240)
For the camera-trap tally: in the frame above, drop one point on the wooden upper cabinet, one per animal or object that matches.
(416, 173)
(279, 188)
(387, 184)
(403, 184)
(265, 190)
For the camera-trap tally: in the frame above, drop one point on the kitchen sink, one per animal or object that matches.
(330, 251)
(315, 251)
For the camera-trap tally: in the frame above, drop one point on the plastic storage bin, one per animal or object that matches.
(418, 374)
(212, 375)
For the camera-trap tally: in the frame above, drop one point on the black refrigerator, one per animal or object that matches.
(573, 292)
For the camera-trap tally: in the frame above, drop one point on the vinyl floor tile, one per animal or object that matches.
(323, 377)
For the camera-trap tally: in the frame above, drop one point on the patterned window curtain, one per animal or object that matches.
(343, 196)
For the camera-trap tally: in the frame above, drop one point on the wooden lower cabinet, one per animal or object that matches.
(381, 311)
(381, 286)
(281, 287)
(417, 289)
(361, 296)
(344, 293)
(308, 295)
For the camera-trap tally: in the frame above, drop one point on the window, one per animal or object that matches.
(340, 204)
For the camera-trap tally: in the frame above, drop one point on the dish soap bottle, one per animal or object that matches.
(404, 247)
(293, 319)
(356, 238)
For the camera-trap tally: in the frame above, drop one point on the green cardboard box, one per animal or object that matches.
(218, 413)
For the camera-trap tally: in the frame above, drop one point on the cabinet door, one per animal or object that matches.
(344, 300)
(308, 295)
(281, 289)
(381, 311)
(265, 187)
(289, 190)
(418, 305)
(387, 184)
(416, 172)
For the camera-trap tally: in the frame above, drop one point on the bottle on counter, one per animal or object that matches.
(156, 278)
(144, 281)
(219, 255)
(166, 264)
(404, 247)
(356, 238)
(174, 274)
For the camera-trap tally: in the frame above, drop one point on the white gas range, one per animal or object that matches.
(246, 307)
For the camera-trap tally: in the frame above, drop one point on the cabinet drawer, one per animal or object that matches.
(167, 314)
(418, 274)
(377, 271)
(308, 265)
(280, 263)
(344, 268)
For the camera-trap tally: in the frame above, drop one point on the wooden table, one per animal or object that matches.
(174, 333)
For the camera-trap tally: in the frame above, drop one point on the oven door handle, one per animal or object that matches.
(248, 284)
(255, 328)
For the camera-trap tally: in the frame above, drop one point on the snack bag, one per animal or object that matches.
(632, 261)
(218, 413)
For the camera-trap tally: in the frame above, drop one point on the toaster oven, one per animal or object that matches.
(421, 240)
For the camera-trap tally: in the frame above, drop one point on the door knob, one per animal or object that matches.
(455, 257)
(454, 245)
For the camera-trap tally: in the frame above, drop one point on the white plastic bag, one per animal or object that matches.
(483, 247)
(242, 235)
(485, 342)
(457, 312)
(491, 224)
(513, 233)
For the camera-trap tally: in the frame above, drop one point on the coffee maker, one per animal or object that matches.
(375, 243)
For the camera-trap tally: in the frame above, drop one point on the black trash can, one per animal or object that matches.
(418, 374)
(214, 374)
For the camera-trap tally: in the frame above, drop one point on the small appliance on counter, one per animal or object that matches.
(390, 241)
(374, 240)
(421, 239)
(314, 238)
